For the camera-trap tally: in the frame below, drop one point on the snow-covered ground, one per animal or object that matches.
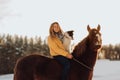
(104, 70)
(107, 70)
(6, 77)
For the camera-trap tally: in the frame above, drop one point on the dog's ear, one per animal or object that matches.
(71, 31)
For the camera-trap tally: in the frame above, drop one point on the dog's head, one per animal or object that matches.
(69, 34)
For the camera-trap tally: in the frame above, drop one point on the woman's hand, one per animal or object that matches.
(69, 56)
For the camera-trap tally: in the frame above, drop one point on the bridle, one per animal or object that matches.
(82, 64)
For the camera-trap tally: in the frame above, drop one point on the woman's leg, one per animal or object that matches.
(66, 65)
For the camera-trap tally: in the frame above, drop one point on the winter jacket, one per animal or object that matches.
(56, 47)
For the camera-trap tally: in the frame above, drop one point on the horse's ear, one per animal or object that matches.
(98, 28)
(88, 28)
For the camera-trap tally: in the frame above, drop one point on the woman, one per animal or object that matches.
(57, 49)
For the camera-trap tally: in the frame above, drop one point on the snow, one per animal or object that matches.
(107, 70)
(104, 70)
(6, 77)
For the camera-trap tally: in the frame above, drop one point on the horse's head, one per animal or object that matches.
(92, 42)
(94, 38)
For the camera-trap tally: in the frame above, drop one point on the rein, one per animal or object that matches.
(83, 64)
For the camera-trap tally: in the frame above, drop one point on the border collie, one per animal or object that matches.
(68, 36)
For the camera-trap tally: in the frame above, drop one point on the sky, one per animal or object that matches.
(33, 17)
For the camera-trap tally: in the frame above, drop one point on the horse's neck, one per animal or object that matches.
(91, 57)
(88, 57)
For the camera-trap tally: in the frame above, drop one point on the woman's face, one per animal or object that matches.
(56, 28)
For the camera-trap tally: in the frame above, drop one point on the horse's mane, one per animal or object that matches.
(80, 47)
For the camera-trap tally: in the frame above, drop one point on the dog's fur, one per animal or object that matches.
(68, 36)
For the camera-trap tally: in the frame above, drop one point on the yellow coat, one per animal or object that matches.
(56, 47)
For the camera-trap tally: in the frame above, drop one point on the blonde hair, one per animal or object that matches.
(51, 30)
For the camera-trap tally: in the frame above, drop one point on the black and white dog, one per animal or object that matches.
(68, 36)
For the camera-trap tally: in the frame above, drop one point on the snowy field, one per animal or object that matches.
(104, 70)
(107, 70)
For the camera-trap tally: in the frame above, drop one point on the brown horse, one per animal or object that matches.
(37, 67)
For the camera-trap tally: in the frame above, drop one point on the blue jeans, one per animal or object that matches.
(65, 63)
